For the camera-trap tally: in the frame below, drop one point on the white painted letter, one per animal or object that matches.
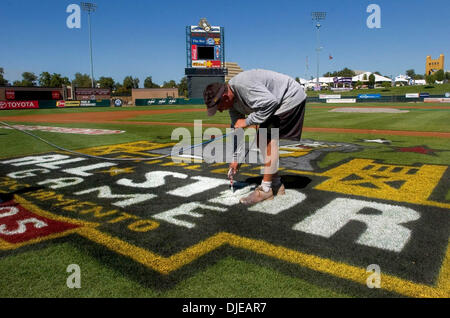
(185, 209)
(384, 230)
(154, 179)
(26, 173)
(81, 171)
(31, 160)
(203, 184)
(62, 182)
(105, 192)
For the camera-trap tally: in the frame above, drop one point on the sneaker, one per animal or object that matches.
(279, 190)
(257, 196)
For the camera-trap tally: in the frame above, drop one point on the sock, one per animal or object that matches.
(276, 181)
(266, 185)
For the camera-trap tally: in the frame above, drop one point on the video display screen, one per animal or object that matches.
(205, 52)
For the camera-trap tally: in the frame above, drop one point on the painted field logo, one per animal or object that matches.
(335, 221)
(19, 225)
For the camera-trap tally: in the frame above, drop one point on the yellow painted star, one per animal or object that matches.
(113, 171)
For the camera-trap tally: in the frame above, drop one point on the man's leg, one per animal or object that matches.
(271, 166)
(271, 180)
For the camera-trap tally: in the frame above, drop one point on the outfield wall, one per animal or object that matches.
(331, 98)
(45, 104)
(168, 101)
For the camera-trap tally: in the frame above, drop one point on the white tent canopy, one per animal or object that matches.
(402, 78)
(322, 80)
(378, 78)
(420, 82)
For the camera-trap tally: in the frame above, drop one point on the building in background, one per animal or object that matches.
(233, 69)
(432, 66)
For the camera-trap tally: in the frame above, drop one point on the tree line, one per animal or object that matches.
(45, 79)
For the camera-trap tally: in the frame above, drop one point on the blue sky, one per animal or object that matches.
(143, 37)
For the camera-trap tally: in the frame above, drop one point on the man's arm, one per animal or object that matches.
(237, 148)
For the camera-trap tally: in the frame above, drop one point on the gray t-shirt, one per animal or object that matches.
(262, 93)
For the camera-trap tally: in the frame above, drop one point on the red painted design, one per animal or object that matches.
(18, 224)
(417, 149)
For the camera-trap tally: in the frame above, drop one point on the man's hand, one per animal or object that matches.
(233, 169)
(240, 123)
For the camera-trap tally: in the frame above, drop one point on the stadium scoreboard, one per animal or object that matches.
(205, 49)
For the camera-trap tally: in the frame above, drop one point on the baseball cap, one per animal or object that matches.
(212, 95)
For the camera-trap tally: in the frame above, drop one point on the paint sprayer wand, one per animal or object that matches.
(230, 176)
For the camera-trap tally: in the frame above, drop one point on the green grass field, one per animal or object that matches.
(40, 271)
(416, 119)
(435, 89)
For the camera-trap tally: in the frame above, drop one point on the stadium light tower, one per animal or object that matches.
(318, 16)
(90, 7)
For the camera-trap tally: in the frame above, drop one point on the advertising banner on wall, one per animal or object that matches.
(199, 30)
(212, 64)
(217, 52)
(323, 96)
(56, 95)
(194, 52)
(342, 101)
(369, 96)
(199, 63)
(412, 95)
(10, 94)
(85, 103)
(68, 103)
(198, 41)
(436, 100)
(19, 104)
(210, 41)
